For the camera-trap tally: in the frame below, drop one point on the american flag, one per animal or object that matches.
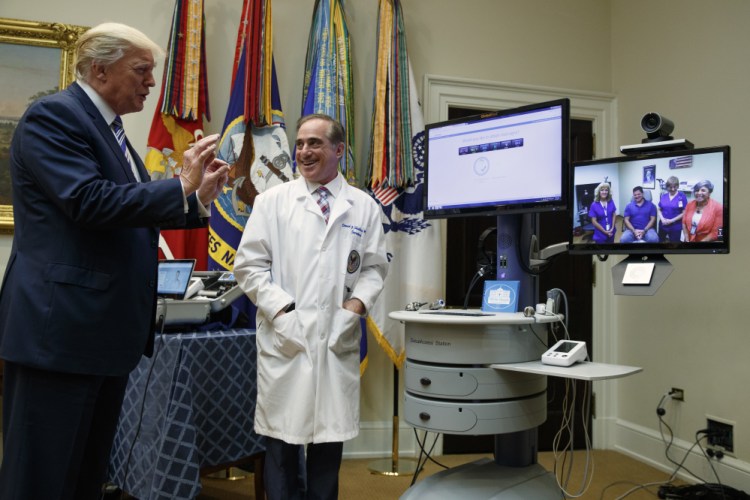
(681, 162)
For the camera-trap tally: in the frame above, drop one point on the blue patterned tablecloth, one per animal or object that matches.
(197, 412)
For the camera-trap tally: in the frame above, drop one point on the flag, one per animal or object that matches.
(253, 140)
(259, 159)
(396, 180)
(178, 119)
(328, 89)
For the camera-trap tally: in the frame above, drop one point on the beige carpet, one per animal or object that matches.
(613, 475)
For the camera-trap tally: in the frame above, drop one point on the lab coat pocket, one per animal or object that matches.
(346, 333)
(287, 338)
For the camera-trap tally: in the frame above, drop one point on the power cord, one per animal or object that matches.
(564, 439)
(552, 326)
(157, 348)
(702, 492)
(477, 276)
(425, 455)
(660, 412)
(538, 337)
(667, 490)
(554, 294)
(706, 434)
(563, 442)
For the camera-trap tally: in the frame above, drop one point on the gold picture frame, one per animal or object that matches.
(28, 51)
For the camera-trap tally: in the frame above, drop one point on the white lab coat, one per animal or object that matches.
(308, 360)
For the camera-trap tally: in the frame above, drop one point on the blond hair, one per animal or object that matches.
(599, 188)
(107, 43)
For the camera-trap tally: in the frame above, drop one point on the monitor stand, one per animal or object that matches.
(514, 472)
(485, 479)
(640, 274)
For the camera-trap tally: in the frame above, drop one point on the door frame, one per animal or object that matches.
(441, 92)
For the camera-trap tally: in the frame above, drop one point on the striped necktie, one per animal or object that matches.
(120, 135)
(325, 207)
(119, 131)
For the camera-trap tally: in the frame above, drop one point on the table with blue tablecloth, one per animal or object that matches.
(189, 407)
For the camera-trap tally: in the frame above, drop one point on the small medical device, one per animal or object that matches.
(565, 353)
(189, 297)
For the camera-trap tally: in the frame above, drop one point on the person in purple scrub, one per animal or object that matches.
(671, 208)
(602, 214)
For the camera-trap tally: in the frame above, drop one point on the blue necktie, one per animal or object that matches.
(325, 207)
(120, 135)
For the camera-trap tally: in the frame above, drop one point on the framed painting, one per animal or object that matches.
(36, 59)
(649, 177)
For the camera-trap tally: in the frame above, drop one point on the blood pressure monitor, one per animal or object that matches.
(565, 353)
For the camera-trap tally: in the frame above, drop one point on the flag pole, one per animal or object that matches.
(394, 466)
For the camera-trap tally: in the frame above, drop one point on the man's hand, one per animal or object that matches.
(214, 179)
(194, 161)
(355, 305)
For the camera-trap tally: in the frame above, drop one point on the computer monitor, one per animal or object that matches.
(689, 187)
(503, 162)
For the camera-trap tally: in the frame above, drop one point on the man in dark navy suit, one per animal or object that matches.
(78, 298)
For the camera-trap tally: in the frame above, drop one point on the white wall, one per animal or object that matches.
(528, 42)
(687, 59)
(683, 58)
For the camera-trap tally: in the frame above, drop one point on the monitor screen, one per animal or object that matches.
(668, 202)
(509, 161)
(174, 278)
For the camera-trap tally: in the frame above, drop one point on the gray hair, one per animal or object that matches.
(673, 181)
(335, 132)
(107, 43)
(704, 183)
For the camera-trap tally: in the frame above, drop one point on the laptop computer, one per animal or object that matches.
(174, 278)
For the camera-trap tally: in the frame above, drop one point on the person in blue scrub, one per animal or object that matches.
(640, 220)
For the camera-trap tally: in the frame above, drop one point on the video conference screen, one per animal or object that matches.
(674, 202)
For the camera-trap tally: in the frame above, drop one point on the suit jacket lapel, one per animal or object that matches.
(106, 133)
(145, 175)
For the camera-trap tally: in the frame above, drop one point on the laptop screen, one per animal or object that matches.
(174, 278)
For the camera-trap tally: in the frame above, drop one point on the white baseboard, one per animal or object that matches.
(646, 445)
(375, 440)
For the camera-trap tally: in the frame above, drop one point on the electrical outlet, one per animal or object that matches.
(720, 434)
(677, 394)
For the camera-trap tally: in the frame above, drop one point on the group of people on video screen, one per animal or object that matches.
(698, 220)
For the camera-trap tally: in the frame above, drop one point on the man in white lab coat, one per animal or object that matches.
(313, 264)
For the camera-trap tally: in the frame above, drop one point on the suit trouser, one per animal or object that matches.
(284, 479)
(58, 430)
